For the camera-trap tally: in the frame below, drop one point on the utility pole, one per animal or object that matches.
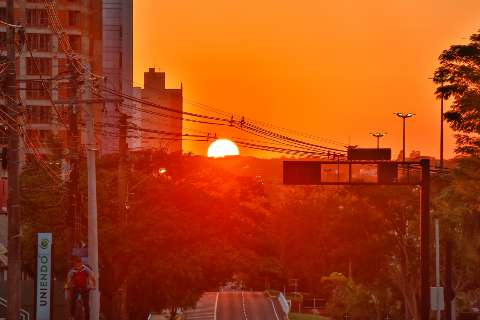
(14, 210)
(74, 160)
(92, 212)
(122, 204)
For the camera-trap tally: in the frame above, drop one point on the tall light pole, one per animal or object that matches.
(378, 135)
(404, 117)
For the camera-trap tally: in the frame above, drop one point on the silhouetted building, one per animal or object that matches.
(171, 126)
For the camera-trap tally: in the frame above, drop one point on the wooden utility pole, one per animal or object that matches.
(122, 206)
(14, 210)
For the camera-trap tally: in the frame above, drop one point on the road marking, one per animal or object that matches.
(215, 308)
(274, 309)
(244, 310)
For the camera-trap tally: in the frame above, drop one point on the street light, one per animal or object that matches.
(404, 116)
(378, 135)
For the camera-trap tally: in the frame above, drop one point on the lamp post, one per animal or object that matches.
(404, 117)
(378, 135)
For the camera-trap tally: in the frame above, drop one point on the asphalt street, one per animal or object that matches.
(235, 305)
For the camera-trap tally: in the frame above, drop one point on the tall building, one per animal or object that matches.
(156, 92)
(117, 66)
(41, 65)
(43, 58)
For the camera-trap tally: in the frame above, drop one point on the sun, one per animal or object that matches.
(222, 148)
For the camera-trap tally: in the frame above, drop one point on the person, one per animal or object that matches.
(80, 280)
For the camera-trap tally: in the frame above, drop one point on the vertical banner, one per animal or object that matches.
(43, 294)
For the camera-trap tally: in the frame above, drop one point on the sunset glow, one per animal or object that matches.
(330, 68)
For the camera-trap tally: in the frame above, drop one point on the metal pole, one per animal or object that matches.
(92, 213)
(404, 121)
(122, 203)
(425, 240)
(449, 298)
(14, 210)
(441, 128)
(74, 159)
(437, 265)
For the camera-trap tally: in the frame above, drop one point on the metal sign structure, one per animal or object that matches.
(375, 172)
(44, 284)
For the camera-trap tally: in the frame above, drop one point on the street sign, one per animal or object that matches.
(357, 172)
(44, 287)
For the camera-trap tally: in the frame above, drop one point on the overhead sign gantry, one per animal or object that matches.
(374, 167)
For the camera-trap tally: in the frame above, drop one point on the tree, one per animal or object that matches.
(457, 207)
(458, 77)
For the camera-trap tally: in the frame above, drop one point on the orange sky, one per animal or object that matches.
(336, 69)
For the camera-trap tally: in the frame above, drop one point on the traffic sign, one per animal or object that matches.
(44, 287)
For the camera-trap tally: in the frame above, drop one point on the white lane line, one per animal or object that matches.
(216, 304)
(244, 310)
(274, 309)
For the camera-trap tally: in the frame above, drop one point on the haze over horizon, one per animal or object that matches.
(334, 69)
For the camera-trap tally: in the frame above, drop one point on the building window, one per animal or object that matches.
(65, 91)
(39, 66)
(40, 114)
(63, 66)
(37, 17)
(74, 18)
(75, 43)
(39, 41)
(38, 90)
(42, 136)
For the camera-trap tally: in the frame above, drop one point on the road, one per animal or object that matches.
(235, 305)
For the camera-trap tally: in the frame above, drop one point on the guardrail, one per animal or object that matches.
(284, 303)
